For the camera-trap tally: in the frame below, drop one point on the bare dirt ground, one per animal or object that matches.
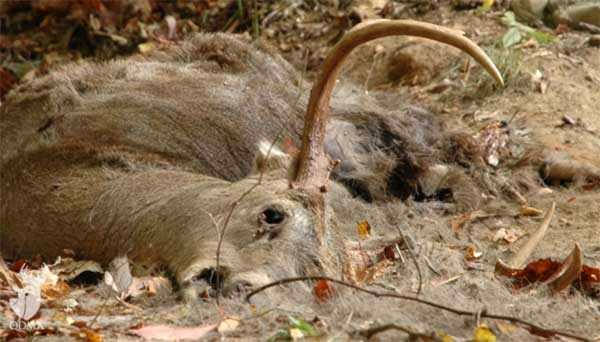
(551, 103)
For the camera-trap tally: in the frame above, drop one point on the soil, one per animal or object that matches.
(551, 101)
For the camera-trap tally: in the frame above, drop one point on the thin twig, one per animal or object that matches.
(212, 218)
(368, 333)
(413, 257)
(102, 307)
(366, 84)
(538, 329)
(301, 79)
(430, 265)
(234, 205)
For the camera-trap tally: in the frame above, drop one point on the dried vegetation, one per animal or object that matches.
(503, 157)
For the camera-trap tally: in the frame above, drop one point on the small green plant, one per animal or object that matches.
(296, 326)
(516, 32)
(480, 85)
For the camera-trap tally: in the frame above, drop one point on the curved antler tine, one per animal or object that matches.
(313, 166)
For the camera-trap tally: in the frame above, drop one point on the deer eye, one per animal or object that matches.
(272, 216)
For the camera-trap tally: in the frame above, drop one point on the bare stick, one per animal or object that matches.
(430, 265)
(414, 259)
(459, 312)
(368, 333)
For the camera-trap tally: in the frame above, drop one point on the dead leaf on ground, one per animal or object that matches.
(26, 305)
(460, 221)
(150, 286)
(483, 334)
(18, 265)
(557, 275)
(568, 271)
(536, 271)
(7, 81)
(374, 272)
(8, 276)
(507, 235)
(228, 325)
(55, 291)
(494, 139)
(92, 336)
(530, 211)
(472, 254)
(539, 81)
(365, 266)
(364, 229)
(506, 328)
(323, 291)
(590, 280)
(118, 277)
(173, 333)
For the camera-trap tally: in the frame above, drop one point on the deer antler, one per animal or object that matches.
(313, 167)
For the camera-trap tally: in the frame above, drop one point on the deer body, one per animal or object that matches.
(145, 157)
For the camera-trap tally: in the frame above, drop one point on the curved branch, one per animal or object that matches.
(532, 327)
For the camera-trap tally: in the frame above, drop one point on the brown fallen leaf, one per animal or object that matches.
(507, 235)
(172, 333)
(472, 254)
(323, 291)
(366, 265)
(374, 272)
(92, 336)
(590, 280)
(557, 275)
(364, 229)
(7, 82)
(530, 211)
(460, 221)
(8, 276)
(568, 271)
(55, 291)
(149, 286)
(18, 265)
(536, 271)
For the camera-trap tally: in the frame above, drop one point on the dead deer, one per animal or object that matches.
(145, 156)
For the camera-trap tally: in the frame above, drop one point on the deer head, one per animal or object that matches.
(311, 224)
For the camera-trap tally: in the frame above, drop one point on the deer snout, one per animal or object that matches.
(270, 235)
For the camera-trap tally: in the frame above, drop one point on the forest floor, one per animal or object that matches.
(551, 100)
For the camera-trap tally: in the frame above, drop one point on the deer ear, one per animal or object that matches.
(269, 158)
